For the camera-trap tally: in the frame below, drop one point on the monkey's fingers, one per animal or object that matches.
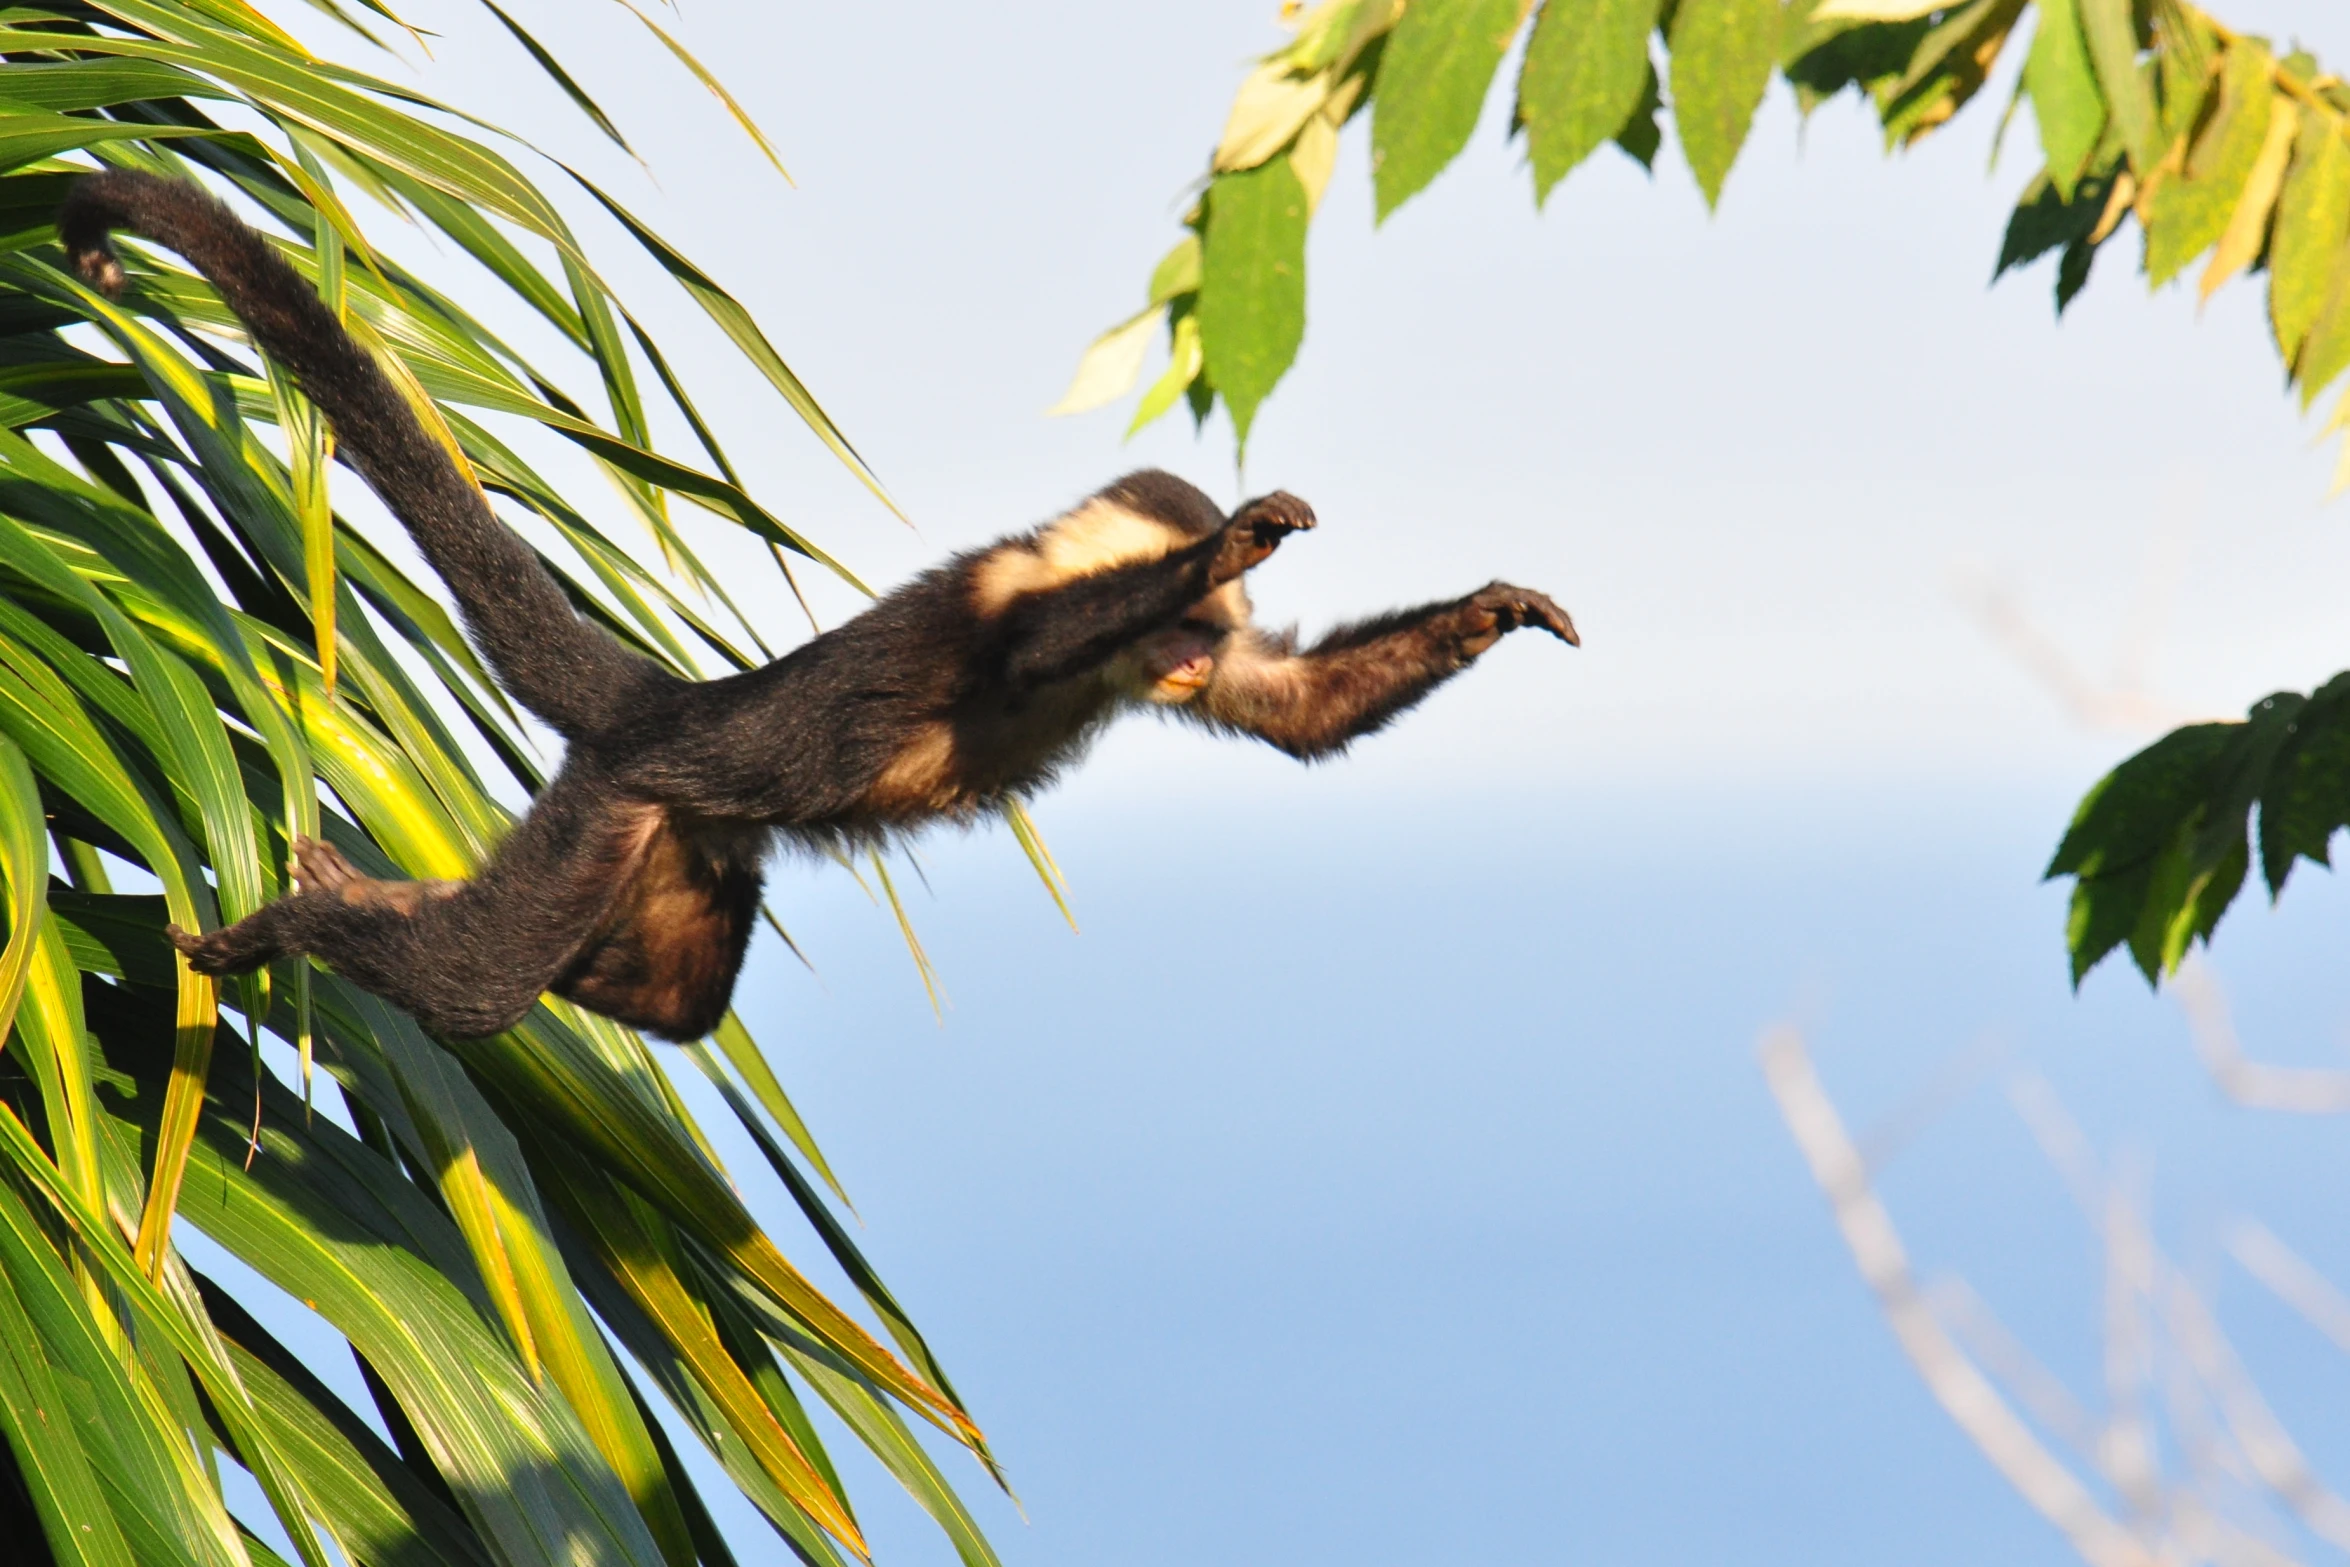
(1515, 608)
(1256, 530)
(1542, 611)
(1273, 517)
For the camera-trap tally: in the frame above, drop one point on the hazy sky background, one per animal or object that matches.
(1384, 1175)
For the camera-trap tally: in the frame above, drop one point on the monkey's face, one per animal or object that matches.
(1171, 667)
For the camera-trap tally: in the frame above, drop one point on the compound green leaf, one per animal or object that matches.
(2110, 30)
(1723, 53)
(2326, 354)
(1642, 136)
(2045, 219)
(2191, 209)
(1252, 295)
(1433, 77)
(2306, 798)
(2063, 88)
(1586, 67)
(2313, 222)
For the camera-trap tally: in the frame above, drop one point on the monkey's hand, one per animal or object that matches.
(1256, 531)
(1498, 608)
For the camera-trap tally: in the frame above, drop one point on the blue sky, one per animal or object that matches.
(1385, 1173)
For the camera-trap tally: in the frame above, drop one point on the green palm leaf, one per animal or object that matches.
(200, 658)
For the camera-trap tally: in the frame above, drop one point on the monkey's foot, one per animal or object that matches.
(320, 867)
(1498, 608)
(219, 953)
(1257, 529)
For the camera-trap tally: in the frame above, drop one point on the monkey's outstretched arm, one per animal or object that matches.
(568, 671)
(1354, 680)
(868, 703)
(1067, 629)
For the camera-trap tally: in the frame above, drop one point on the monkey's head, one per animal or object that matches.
(1170, 667)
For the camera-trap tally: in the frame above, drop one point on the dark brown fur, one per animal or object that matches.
(631, 884)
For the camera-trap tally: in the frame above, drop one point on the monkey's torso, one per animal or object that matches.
(928, 723)
(934, 732)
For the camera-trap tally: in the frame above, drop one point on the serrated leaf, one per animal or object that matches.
(2130, 833)
(2248, 227)
(1951, 64)
(1642, 137)
(1313, 158)
(2191, 209)
(1272, 106)
(1177, 271)
(1184, 360)
(1723, 52)
(1586, 67)
(2184, 68)
(1438, 63)
(1252, 296)
(1112, 363)
(2306, 797)
(2110, 31)
(2326, 353)
(1875, 10)
(1822, 59)
(2161, 846)
(2044, 220)
(2313, 221)
(2063, 87)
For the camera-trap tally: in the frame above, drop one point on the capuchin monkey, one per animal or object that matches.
(630, 886)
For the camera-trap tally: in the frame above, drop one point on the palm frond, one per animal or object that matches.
(201, 657)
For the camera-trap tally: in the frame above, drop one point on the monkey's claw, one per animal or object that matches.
(1500, 607)
(1257, 529)
(1515, 608)
(1275, 516)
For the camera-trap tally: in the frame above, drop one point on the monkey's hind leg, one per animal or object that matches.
(322, 876)
(465, 958)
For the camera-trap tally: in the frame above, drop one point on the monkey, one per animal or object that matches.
(629, 885)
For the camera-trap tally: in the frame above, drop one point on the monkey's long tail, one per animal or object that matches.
(570, 672)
